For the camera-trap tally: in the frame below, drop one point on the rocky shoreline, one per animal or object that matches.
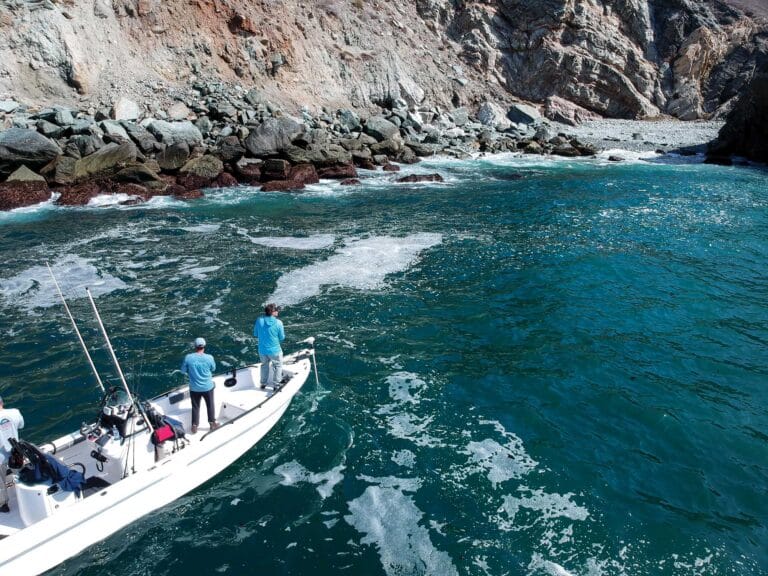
(219, 136)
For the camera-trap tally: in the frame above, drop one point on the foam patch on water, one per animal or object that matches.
(104, 200)
(548, 506)
(34, 288)
(294, 473)
(413, 428)
(539, 565)
(198, 272)
(391, 521)
(316, 242)
(404, 387)
(499, 462)
(202, 228)
(361, 264)
(403, 484)
(404, 458)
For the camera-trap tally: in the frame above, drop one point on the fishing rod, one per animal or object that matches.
(117, 364)
(74, 325)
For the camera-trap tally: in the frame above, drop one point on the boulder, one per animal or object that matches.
(491, 114)
(388, 167)
(390, 147)
(230, 149)
(178, 111)
(60, 170)
(173, 157)
(142, 137)
(83, 126)
(175, 132)
(50, 130)
(281, 186)
(248, 170)
(81, 145)
(381, 128)
(564, 111)
(125, 109)
(105, 161)
(523, 114)
(114, 129)
(8, 106)
(325, 155)
(338, 172)
(350, 182)
(19, 194)
(224, 180)
(349, 120)
(459, 116)
(275, 169)
(21, 146)
(24, 174)
(139, 174)
(421, 178)
(207, 166)
(304, 174)
(273, 136)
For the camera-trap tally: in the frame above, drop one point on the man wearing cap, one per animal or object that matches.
(199, 366)
(11, 421)
(270, 332)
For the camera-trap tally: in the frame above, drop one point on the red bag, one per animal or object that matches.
(162, 434)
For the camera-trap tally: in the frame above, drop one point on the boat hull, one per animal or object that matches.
(45, 544)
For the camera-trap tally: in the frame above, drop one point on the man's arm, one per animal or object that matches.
(281, 334)
(21, 421)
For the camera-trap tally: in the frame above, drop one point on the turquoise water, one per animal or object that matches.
(538, 367)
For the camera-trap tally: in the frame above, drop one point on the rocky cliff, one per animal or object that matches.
(746, 130)
(619, 58)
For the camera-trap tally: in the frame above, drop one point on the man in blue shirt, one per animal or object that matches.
(270, 332)
(199, 366)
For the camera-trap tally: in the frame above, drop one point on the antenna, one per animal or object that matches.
(74, 325)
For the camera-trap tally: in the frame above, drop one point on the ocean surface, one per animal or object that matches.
(538, 367)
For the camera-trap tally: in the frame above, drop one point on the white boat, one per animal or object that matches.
(91, 483)
(128, 475)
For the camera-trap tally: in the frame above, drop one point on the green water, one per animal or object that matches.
(537, 367)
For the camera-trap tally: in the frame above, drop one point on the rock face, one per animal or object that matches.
(746, 130)
(620, 58)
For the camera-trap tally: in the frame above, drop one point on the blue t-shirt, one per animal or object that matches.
(199, 368)
(269, 330)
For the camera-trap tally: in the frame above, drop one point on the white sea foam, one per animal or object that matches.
(294, 473)
(316, 242)
(361, 264)
(202, 228)
(198, 272)
(103, 200)
(404, 387)
(404, 458)
(539, 565)
(413, 428)
(391, 521)
(499, 462)
(403, 484)
(548, 506)
(34, 288)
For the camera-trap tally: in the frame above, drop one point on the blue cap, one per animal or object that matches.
(199, 342)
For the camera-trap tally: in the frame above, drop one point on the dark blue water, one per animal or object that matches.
(537, 367)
